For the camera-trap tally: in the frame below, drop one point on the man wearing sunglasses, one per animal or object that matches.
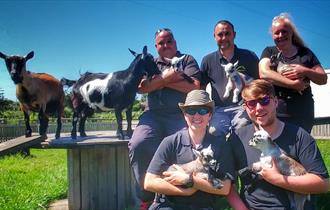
(162, 116)
(177, 190)
(268, 190)
(228, 115)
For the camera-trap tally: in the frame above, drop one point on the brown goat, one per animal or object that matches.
(37, 92)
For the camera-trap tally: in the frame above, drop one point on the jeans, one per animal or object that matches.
(228, 118)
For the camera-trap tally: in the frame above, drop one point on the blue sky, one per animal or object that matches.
(69, 37)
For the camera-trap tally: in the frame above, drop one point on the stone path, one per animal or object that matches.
(59, 205)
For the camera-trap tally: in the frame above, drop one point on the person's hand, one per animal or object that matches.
(299, 84)
(271, 174)
(171, 75)
(296, 71)
(177, 177)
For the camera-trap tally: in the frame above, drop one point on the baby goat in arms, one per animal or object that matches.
(236, 80)
(286, 165)
(201, 166)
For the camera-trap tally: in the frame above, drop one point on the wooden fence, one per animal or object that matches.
(321, 129)
(12, 131)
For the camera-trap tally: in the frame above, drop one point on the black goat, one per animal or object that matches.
(99, 91)
(38, 92)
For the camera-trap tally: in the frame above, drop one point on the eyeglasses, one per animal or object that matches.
(200, 110)
(264, 101)
(163, 29)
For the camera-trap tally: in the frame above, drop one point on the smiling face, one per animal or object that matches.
(224, 35)
(282, 34)
(197, 121)
(263, 114)
(166, 44)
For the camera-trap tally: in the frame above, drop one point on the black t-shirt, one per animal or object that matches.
(297, 143)
(177, 149)
(167, 99)
(299, 105)
(214, 73)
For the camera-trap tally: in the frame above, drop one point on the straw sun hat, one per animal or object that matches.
(197, 98)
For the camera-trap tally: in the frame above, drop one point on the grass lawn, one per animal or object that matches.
(33, 182)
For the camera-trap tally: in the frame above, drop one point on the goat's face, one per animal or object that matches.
(261, 140)
(206, 156)
(146, 62)
(16, 65)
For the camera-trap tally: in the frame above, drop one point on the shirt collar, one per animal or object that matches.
(232, 59)
(161, 60)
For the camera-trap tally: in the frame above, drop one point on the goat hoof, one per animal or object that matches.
(43, 136)
(121, 136)
(83, 134)
(57, 136)
(129, 133)
(28, 135)
(73, 136)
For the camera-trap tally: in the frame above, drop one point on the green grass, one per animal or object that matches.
(32, 182)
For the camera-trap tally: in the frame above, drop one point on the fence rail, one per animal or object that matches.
(321, 129)
(13, 131)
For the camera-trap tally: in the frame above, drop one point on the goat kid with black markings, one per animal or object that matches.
(37, 92)
(100, 91)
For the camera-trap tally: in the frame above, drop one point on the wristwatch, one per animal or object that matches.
(190, 182)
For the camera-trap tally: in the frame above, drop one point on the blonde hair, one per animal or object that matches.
(286, 18)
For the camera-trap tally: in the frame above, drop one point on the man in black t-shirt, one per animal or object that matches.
(228, 114)
(270, 189)
(162, 117)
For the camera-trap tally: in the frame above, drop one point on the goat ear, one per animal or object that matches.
(29, 56)
(145, 50)
(197, 153)
(3, 55)
(236, 63)
(133, 53)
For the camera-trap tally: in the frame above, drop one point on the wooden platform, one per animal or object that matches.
(99, 174)
(18, 144)
(94, 138)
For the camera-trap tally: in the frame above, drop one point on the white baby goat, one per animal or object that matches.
(236, 80)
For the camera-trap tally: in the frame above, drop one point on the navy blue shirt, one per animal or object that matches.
(213, 72)
(167, 99)
(297, 144)
(177, 149)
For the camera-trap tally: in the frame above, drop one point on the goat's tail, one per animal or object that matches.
(67, 82)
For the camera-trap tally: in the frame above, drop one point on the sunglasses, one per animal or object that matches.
(200, 110)
(264, 101)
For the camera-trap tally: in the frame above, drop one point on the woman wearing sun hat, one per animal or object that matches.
(176, 189)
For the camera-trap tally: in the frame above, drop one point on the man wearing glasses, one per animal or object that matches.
(177, 190)
(162, 117)
(228, 114)
(268, 189)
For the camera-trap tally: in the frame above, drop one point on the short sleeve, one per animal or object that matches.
(309, 154)
(191, 67)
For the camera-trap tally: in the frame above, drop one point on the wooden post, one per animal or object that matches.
(99, 174)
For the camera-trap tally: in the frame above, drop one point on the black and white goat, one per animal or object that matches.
(201, 166)
(100, 91)
(37, 92)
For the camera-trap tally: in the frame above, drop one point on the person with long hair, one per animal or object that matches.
(290, 65)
